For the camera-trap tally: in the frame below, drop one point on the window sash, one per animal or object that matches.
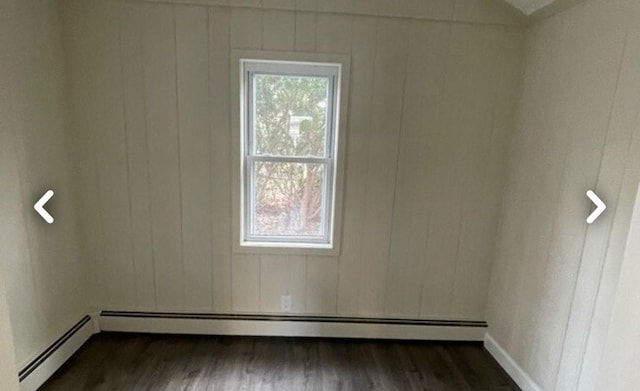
(326, 201)
(290, 69)
(331, 71)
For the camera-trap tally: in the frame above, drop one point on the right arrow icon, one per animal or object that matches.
(600, 207)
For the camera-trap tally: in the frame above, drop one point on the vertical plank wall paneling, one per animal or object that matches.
(426, 98)
(133, 95)
(219, 92)
(485, 62)
(619, 171)
(159, 21)
(246, 33)
(109, 147)
(382, 157)
(305, 32)
(576, 129)
(363, 36)
(582, 158)
(192, 53)
(83, 105)
(422, 102)
(274, 281)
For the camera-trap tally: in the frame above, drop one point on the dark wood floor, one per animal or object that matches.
(111, 361)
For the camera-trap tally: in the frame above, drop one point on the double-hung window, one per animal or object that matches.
(289, 149)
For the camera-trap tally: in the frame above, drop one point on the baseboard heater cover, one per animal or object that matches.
(38, 370)
(292, 326)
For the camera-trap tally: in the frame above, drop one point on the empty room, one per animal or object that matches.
(320, 195)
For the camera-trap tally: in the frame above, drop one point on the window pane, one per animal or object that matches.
(290, 117)
(288, 199)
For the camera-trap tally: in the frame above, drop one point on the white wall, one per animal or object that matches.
(576, 129)
(40, 263)
(431, 103)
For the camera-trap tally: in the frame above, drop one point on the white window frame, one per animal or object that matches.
(330, 71)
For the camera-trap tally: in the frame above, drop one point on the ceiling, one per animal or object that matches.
(528, 7)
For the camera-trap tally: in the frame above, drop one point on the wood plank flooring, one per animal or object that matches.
(118, 361)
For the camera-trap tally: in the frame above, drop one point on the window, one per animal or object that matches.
(289, 149)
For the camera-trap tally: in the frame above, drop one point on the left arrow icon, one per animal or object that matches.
(39, 206)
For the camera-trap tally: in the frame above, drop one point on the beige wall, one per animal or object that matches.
(621, 358)
(431, 105)
(8, 370)
(576, 129)
(40, 263)
(434, 85)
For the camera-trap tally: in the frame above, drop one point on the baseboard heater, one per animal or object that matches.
(292, 326)
(38, 370)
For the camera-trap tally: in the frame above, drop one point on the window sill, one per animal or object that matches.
(318, 249)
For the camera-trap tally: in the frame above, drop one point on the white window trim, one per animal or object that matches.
(325, 64)
(331, 72)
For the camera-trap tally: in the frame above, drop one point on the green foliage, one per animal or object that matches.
(277, 99)
(290, 120)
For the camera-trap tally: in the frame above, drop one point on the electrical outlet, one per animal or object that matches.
(285, 303)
